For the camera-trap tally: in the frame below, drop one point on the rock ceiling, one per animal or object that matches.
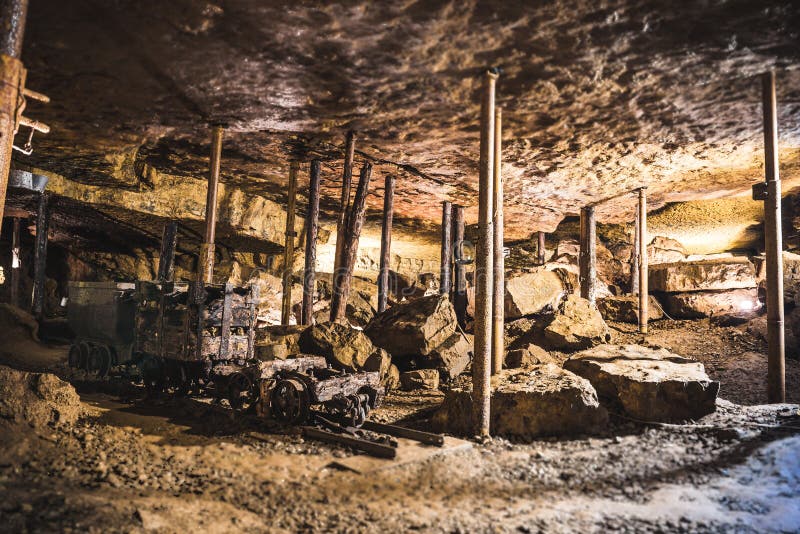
(598, 97)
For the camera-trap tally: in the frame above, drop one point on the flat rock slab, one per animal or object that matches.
(698, 304)
(528, 403)
(703, 275)
(648, 384)
(576, 325)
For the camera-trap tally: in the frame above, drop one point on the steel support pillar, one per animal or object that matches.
(776, 366)
(459, 267)
(445, 282)
(498, 276)
(484, 286)
(643, 273)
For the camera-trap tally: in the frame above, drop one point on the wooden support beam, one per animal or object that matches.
(386, 243)
(587, 259)
(312, 227)
(541, 257)
(498, 277)
(446, 248)
(354, 224)
(166, 258)
(484, 286)
(634, 263)
(776, 363)
(459, 267)
(205, 267)
(288, 249)
(16, 263)
(643, 273)
(344, 203)
(40, 256)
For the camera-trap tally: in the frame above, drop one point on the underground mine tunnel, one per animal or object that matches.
(441, 266)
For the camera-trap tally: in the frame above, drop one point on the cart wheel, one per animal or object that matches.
(105, 360)
(95, 359)
(240, 391)
(152, 373)
(74, 358)
(290, 402)
(85, 350)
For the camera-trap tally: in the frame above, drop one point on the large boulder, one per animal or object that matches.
(420, 379)
(703, 275)
(697, 304)
(532, 292)
(38, 399)
(277, 342)
(342, 346)
(417, 327)
(665, 250)
(576, 325)
(625, 308)
(528, 356)
(647, 384)
(450, 358)
(528, 403)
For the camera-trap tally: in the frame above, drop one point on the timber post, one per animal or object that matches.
(386, 242)
(40, 256)
(205, 268)
(447, 245)
(642, 258)
(288, 249)
(459, 267)
(587, 258)
(312, 228)
(166, 257)
(344, 207)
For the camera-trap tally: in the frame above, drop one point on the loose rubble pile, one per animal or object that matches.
(37, 399)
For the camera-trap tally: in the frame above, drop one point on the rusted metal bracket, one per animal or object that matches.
(35, 126)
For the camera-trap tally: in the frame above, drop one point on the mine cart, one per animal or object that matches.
(101, 314)
(185, 333)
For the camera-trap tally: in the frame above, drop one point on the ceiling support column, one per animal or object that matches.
(484, 286)
(288, 248)
(643, 287)
(205, 267)
(587, 258)
(498, 277)
(447, 229)
(459, 267)
(776, 366)
(386, 243)
(40, 257)
(312, 227)
(166, 258)
(540, 248)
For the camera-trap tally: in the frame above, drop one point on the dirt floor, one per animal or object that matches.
(139, 464)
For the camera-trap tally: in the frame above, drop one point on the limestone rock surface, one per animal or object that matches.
(420, 379)
(38, 399)
(531, 292)
(450, 358)
(703, 275)
(413, 328)
(528, 356)
(545, 400)
(342, 346)
(697, 304)
(625, 308)
(576, 325)
(648, 384)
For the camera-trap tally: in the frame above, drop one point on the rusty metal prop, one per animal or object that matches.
(205, 268)
(587, 258)
(446, 246)
(498, 297)
(288, 250)
(459, 267)
(40, 256)
(312, 227)
(386, 242)
(643, 282)
(166, 257)
(540, 248)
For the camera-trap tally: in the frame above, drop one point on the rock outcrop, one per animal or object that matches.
(528, 356)
(38, 399)
(528, 403)
(576, 325)
(703, 275)
(420, 379)
(665, 250)
(450, 358)
(647, 384)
